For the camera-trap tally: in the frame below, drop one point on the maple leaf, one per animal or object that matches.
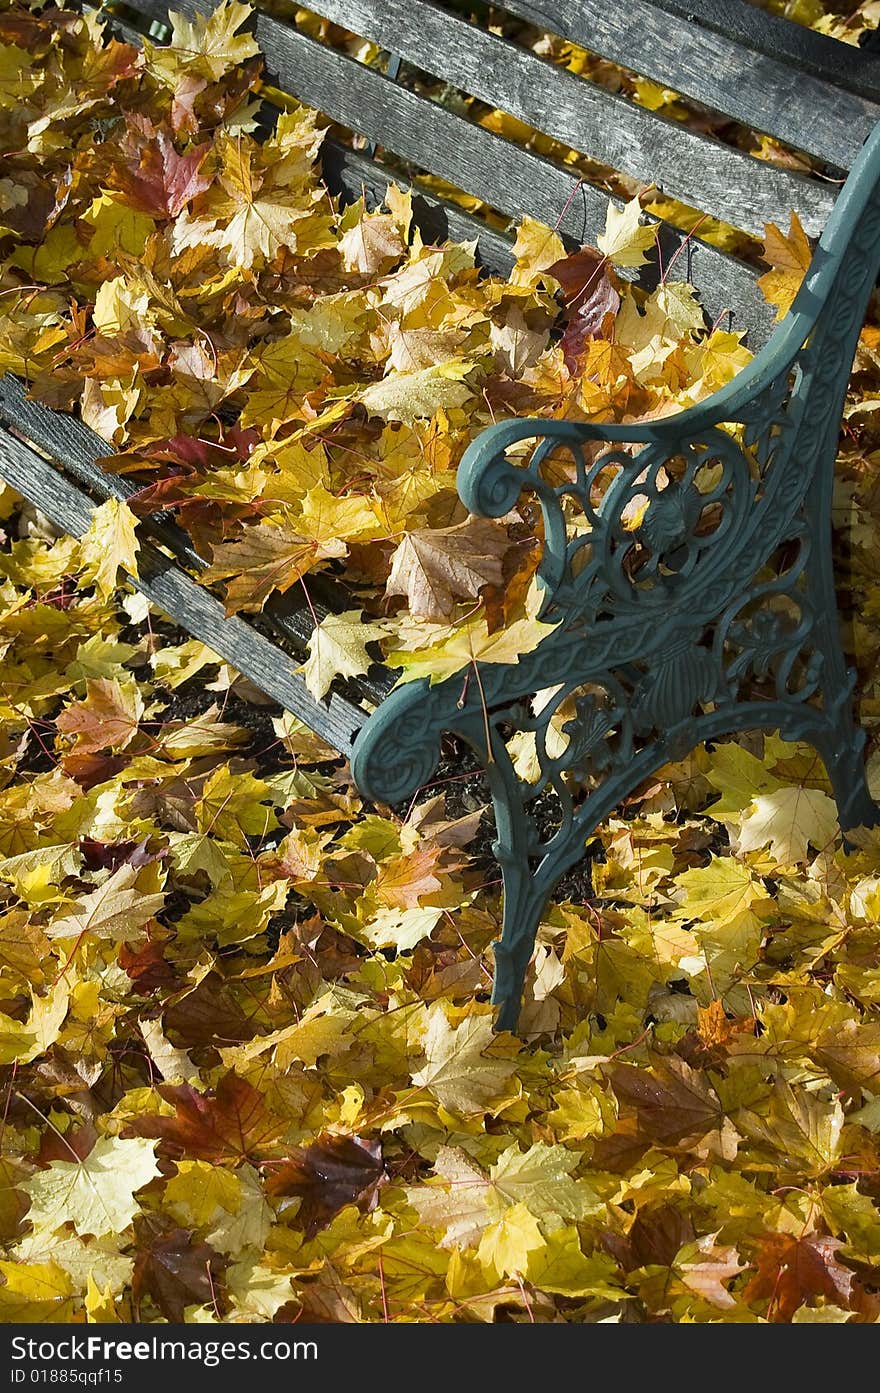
(228, 1205)
(704, 1268)
(110, 545)
(625, 240)
(209, 47)
(790, 258)
(175, 1269)
(404, 880)
(590, 297)
(850, 1051)
(231, 1123)
(458, 1071)
(721, 892)
(792, 1270)
(464, 1200)
(787, 820)
(400, 929)
(413, 396)
(153, 177)
(331, 1172)
(560, 1266)
(257, 1289)
(264, 558)
(516, 345)
(22, 1041)
(35, 1292)
(410, 350)
(107, 719)
(456, 1202)
(118, 909)
(95, 1194)
(536, 250)
(338, 648)
(371, 243)
(508, 1245)
(672, 1103)
(433, 569)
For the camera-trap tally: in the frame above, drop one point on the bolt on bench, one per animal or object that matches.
(718, 613)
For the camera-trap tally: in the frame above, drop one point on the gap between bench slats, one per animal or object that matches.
(501, 174)
(703, 173)
(770, 95)
(76, 448)
(184, 601)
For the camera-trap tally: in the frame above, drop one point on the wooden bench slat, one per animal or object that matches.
(184, 600)
(503, 175)
(764, 92)
(703, 173)
(500, 173)
(845, 65)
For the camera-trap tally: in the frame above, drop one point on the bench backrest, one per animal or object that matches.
(814, 93)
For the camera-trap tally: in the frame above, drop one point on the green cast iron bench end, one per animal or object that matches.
(716, 614)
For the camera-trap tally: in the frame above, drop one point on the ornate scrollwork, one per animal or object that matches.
(686, 567)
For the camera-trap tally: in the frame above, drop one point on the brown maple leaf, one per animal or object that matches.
(331, 1173)
(152, 176)
(207, 1014)
(792, 1270)
(265, 558)
(231, 1123)
(655, 1237)
(174, 1268)
(590, 298)
(107, 718)
(672, 1103)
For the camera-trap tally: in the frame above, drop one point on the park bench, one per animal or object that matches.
(718, 614)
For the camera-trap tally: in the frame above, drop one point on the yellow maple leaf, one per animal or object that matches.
(110, 545)
(536, 248)
(208, 47)
(95, 1195)
(508, 1245)
(414, 396)
(625, 240)
(338, 648)
(790, 258)
(787, 820)
(118, 909)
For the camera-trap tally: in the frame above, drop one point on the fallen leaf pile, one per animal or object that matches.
(248, 1066)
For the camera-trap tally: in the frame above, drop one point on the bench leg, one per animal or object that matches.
(841, 741)
(528, 878)
(841, 745)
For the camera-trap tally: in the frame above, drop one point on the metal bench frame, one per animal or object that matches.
(716, 614)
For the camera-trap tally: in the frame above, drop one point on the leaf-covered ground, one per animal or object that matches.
(249, 1068)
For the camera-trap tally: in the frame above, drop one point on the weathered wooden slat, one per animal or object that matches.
(184, 601)
(501, 174)
(774, 96)
(70, 441)
(845, 65)
(703, 173)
